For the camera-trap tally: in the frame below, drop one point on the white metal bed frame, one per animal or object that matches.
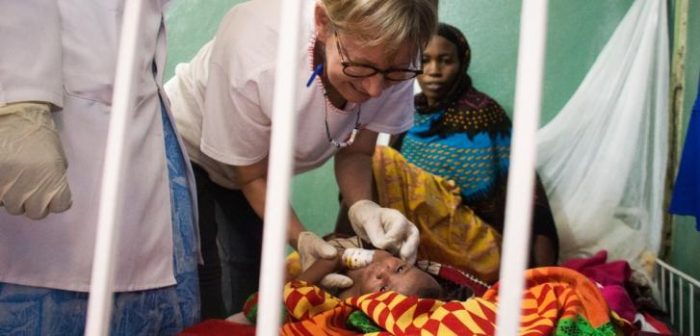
(675, 285)
(526, 118)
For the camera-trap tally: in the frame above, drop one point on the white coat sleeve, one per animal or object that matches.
(30, 56)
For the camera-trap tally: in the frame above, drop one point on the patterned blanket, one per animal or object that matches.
(558, 301)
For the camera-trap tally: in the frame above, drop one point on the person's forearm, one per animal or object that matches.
(354, 175)
(255, 192)
(294, 229)
(254, 187)
(353, 169)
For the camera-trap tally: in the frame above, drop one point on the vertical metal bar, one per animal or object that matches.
(692, 284)
(528, 94)
(680, 303)
(691, 299)
(107, 238)
(662, 270)
(279, 170)
(670, 294)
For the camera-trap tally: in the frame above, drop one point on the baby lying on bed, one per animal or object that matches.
(374, 271)
(371, 271)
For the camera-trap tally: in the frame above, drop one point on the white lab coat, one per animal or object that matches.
(64, 52)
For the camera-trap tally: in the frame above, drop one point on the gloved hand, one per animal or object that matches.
(311, 247)
(32, 163)
(385, 228)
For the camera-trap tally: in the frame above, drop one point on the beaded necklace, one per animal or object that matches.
(338, 144)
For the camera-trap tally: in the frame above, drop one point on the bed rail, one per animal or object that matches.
(677, 291)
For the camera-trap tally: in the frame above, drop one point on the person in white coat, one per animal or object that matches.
(358, 65)
(57, 69)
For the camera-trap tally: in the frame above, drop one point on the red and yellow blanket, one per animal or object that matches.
(558, 301)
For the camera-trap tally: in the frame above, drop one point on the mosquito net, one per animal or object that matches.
(602, 159)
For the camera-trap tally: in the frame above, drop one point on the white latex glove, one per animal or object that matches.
(311, 248)
(385, 228)
(32, 163)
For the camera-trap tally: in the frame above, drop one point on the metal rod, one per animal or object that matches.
(670, 294)
(521, 175)
(279, 170)
(691, 298)
(662, 271)
(680, 273)
(107, 237)
(680, 304)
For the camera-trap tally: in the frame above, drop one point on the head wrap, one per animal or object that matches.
(464, 108)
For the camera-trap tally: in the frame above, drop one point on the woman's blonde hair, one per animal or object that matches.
(389, 23)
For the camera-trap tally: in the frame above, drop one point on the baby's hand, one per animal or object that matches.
(331, 265)
(323, 272)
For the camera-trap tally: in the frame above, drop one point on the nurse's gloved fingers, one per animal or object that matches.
(36, 207)
(14, 206)
(53, 195)
(409, 248)
(62, 199)
(59, 200)
(335, 280)
(397, 229)
(311, 248)
(32, 161)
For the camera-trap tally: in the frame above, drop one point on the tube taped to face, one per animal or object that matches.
(355, 257)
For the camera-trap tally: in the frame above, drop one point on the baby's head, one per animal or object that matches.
(387, 272)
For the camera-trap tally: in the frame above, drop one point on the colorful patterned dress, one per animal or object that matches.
(466, 138)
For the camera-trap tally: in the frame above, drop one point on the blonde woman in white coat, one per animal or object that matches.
(57, 65)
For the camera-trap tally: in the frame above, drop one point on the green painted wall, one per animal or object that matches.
(190, 24)
(578, 30)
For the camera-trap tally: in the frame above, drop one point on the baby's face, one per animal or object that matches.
(387, 272)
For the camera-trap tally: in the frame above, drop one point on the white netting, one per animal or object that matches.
(602, 159)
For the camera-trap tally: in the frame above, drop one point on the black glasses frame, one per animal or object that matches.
(344, 61)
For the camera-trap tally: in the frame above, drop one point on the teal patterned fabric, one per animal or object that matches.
(465, 136)
(476, 163)
(38, 311)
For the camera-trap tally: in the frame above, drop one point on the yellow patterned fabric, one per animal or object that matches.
(572, 291)
(314, 311)
(293, 266)
(554, 298)
(304, 300)
(450, 232)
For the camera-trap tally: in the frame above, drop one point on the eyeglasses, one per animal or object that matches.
(357, 70)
